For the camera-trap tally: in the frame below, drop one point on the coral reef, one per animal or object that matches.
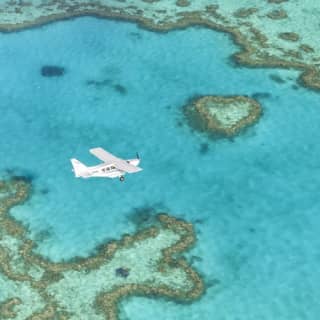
(145, 263)
(289, 36)
(277, 14)
(247, 24)
(182, 3)
(222, 116)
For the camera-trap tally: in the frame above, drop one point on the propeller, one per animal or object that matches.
(137, 154)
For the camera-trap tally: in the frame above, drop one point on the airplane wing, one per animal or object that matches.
(104, 156)
(109, 158)
(126, 167)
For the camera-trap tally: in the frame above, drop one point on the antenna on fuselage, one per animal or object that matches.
(137, 154)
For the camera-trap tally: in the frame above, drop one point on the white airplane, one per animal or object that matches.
(112, 167)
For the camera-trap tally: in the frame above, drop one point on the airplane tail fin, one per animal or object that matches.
(79, 168)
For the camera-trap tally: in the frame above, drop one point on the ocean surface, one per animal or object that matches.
(254, 199)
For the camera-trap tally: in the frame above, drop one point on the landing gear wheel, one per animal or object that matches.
(121, 178)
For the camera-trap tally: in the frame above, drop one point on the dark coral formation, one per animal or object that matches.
(182, 3)
(277, 1)
(52, 71)
(276, 78)
(277, 14)
(289, 36)
(204, 148)
(122, 272)
(245, 12)
(98, 84)
(306, 48)
(261, 95)
(120, 88)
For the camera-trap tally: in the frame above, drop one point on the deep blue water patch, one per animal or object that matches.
(256, 196)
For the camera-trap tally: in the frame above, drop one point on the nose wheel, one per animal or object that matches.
(121, 178)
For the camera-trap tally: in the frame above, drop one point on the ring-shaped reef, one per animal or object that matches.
(149, 261)
(222, 116)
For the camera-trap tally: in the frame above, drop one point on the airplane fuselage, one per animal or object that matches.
(106, 170)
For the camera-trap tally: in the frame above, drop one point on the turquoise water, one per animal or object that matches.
(254, 199)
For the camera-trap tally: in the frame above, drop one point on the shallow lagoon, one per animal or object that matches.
(254, 198)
